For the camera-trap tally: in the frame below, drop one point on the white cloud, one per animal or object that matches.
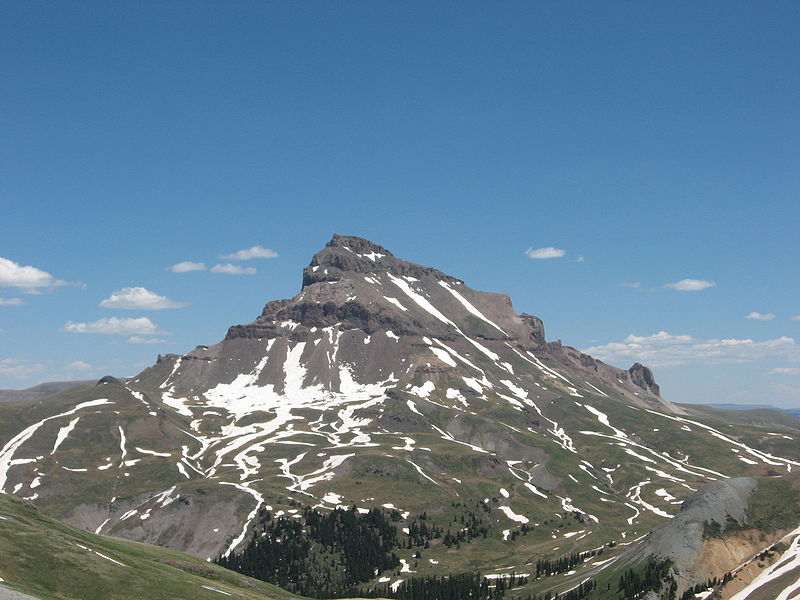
(26, 277)
(233, 269)
(139, 298)
(249, 253)
(548, 252)
(19, 369)
(784, 371)
(664, 349)
(662, 337)
(635, 285)
(79, 365)
(186, 266)
(115, 326)
(757, 316)
(135, 339)
(795, 318)
(11, 302)
(580, 259)
(690, 285)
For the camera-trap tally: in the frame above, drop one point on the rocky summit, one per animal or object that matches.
(386, 384)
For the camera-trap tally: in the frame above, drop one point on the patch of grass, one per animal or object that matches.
(54, 561)
(774, 505)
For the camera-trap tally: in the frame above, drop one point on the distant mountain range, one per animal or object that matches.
(42, 390)
(450, 434)
(795, 412)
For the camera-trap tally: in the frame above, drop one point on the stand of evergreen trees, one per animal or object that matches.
(633, 584)
(562, 564)
(701, 587)
(472, 526)
(578, 593)
(322, 555)
(332, 554)
(420, 533)
(464, 586)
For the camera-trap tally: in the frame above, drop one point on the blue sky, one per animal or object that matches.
(657, 141)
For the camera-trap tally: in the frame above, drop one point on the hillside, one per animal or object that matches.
(50, 560)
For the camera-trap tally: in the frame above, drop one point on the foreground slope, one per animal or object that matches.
(382, 383)
(50, 560)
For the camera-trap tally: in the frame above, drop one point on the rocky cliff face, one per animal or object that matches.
(643, 377)
(356, 285)
(347, 284)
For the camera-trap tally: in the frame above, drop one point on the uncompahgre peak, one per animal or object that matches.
(382, 383)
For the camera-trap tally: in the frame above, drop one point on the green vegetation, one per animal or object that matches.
(338, 553)
(774, 505)
(546, 567)
(470, 527)
(324, 555)
(655, 575)
(579, 593)
(701, 587)
(53, 561)
(466, 586)
(712, 529)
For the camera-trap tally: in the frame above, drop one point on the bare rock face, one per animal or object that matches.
(355, 284)
(349, 282)
(536, 327)
(348, 254)
(643, 377)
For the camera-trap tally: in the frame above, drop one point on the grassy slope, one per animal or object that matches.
(43, 557)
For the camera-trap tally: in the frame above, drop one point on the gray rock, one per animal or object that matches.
(643, 377)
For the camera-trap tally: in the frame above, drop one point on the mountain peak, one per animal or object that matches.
(356, 244)
(346, 255)
(356, 286)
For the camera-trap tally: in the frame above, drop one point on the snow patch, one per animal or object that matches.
(63, 433)
(514, 516)
(332, 498)
(396, 302)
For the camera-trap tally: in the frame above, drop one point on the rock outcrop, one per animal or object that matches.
(643, 377)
